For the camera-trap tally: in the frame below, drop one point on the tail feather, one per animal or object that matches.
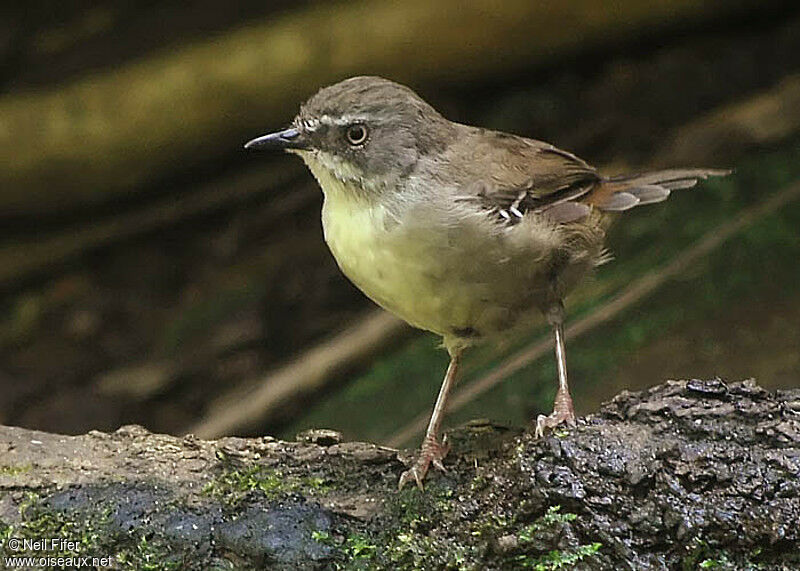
(619, 201)
(650, 193)
(625, 192)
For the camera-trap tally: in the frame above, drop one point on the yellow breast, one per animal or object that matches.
(437, 273)
(376, 253)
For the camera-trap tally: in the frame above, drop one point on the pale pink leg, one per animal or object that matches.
(432, 451)
(563, 412)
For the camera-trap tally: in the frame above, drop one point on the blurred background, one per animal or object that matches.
(152, 272)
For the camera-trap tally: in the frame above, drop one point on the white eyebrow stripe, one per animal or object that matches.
(340, 121)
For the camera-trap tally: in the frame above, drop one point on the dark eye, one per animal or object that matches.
(356, 134)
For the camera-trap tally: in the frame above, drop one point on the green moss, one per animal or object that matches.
(552, 517)
(703, 555)
(234, 484)
(38, 522)
(559, 559)
(322, 537)
(541, 529)
(414, 508)
(359, 547)
(353, 552)
(419, 539)
(15, 470)
(149, 554)
(404, 542)
(92, 534)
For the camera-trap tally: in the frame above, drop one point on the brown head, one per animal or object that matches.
(365, 130)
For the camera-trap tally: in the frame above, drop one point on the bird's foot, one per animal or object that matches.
(563, 413)
(554, 420)
(432, 452)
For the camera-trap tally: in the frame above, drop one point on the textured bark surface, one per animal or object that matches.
(690, 474)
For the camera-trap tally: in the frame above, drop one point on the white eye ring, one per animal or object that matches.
(356, 134)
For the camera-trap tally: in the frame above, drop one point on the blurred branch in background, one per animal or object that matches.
(731, 131)
(98, 137)
(23, 258)
(273, 396)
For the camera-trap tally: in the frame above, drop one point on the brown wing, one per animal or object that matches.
(532, 176)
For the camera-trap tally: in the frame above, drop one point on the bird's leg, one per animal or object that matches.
(563, 411)
(433, 451)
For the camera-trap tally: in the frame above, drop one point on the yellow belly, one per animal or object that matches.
(458, 276)
(393, 269)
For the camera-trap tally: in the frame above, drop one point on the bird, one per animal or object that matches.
(469, 233)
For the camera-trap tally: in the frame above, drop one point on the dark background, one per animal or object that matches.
(153, 272)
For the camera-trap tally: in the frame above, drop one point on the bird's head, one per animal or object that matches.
(367, 132)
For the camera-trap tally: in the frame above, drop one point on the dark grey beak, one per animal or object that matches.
(282, 140)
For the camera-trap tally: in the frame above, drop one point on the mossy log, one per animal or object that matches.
(101, 136)
(689, 474)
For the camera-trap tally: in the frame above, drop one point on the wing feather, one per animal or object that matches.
(527, 176)
(542, 177)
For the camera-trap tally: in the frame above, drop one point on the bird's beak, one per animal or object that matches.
(282, 140)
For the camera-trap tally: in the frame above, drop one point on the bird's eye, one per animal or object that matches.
(356, 134)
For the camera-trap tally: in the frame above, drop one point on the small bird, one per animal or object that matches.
(462, 231)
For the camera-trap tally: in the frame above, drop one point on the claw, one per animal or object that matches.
(563, 413)
(406, 476)
(554, 420)
(432, 452)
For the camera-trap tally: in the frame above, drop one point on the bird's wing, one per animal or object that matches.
(525, 175)
(532, 176)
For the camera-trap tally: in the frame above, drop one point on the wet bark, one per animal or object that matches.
(687, 474)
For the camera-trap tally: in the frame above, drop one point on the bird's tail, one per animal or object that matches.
(624, 192)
